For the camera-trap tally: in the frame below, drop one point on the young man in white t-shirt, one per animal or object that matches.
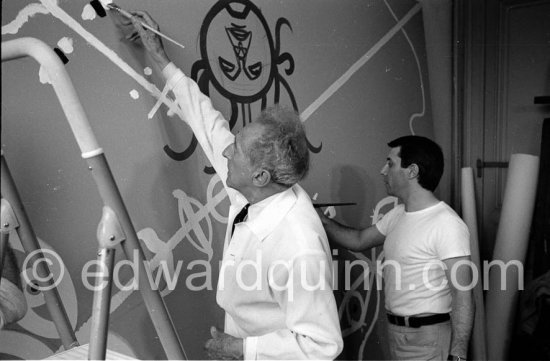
(427, 274)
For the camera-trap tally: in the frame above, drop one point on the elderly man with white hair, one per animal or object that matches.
(275, 281)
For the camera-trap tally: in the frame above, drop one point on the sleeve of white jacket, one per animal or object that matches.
(209, 126)
(304, 292)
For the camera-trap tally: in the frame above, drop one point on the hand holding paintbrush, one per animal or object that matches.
(150, 39)
(132, 17)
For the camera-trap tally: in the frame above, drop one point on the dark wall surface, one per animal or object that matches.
(356, 74)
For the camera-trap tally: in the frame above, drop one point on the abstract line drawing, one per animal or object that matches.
(355, 295)
(192, 213)
(22, 17)
(333, 88)
(244, 66)
(53, 8)
(228, 71)
(420, 79)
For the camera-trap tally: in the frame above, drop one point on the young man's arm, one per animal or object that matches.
(459, 278)
(351, 238)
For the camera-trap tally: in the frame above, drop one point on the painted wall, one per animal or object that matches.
(354, 69)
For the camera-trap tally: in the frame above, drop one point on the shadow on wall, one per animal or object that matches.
(352, 184)
(355, 184)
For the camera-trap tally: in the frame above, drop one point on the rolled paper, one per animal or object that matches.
(478, 345)
(510, 250)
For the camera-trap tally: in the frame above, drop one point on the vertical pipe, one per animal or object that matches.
(152, 298)
(91, 151)
(3, 249)
(30, 245)
(101, 306)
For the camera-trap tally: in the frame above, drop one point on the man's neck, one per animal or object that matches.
(259, 194)
(419, 199)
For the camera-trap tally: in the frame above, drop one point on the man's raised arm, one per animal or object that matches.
(208, 125)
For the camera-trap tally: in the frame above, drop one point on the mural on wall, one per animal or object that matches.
(193, 215)
(240, 59)
(361, 296)
(365, 295)
(397, 28)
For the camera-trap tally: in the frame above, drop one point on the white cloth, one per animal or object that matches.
(415, 246)
(282, 242)
(13, 305)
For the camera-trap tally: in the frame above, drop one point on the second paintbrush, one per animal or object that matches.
(322, 205)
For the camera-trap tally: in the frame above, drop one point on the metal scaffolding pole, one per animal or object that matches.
(103, 177)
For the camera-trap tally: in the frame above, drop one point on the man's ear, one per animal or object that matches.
(413, 171)
(261, 178)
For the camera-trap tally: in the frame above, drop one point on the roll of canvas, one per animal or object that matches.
(469, 215)
(510, 250)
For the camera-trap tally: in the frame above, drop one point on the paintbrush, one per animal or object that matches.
(128, 15)
(320, 205)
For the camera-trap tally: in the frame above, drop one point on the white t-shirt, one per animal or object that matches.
(415, 246)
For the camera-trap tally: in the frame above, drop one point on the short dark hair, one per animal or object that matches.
(282, 149)
(426, 154)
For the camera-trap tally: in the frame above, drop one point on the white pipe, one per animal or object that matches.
(63, 87)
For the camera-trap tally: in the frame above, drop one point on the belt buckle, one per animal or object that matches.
(406, 319)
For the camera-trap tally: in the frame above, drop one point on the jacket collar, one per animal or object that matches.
(264, 216)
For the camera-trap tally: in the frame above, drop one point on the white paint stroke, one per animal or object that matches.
(22, 17)
(88, 12)
(358, 64)
(134, 94)
(44, 76)
(59, 13)
(421, 114)
(330, 212)
(190, 220)
(164, 250)
(66, 45)
(159, 101)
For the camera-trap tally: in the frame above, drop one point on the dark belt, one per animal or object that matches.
(418, 321)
